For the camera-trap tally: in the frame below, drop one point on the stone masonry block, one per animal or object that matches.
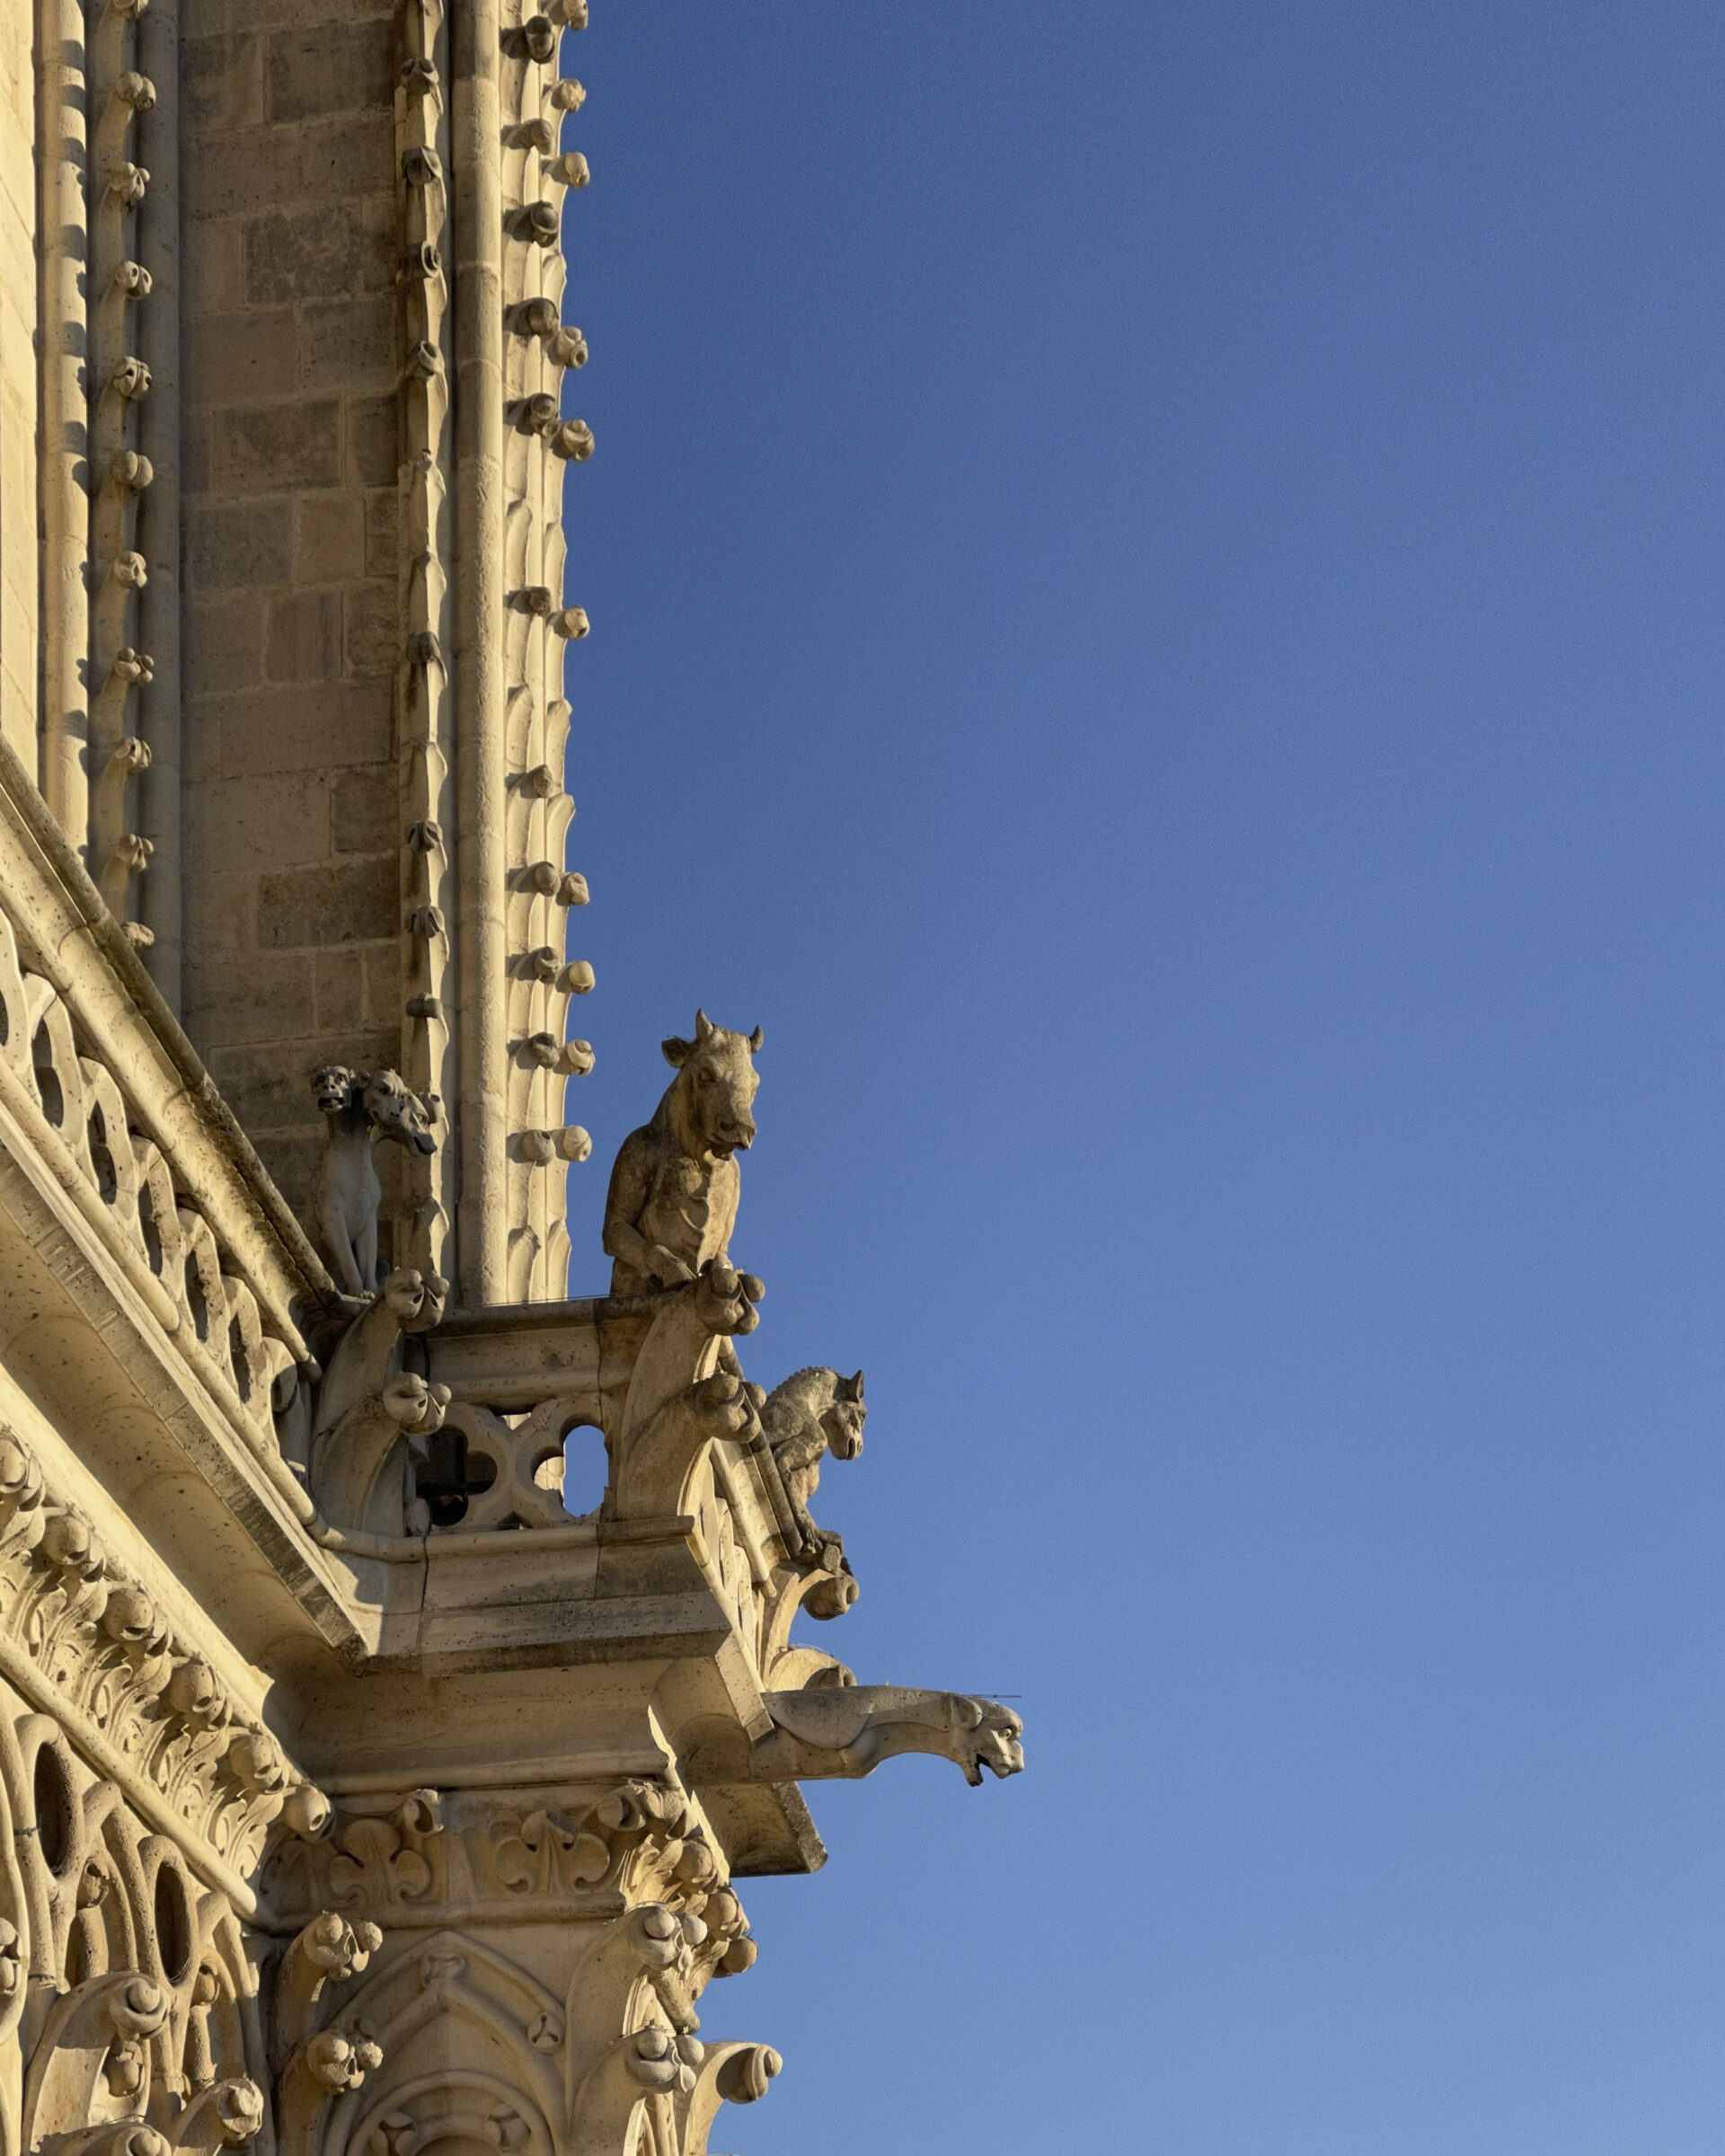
(330, 538)
(219, 922)
(367, 809)
(382, 531)
(215, 265)
(224, 645)
(341, 982)
(289, 1157)
(269, 998)
(348, 901)
(200, 744)
(305, 637)
(372, 640)
(274, 445)
(324, 161)
(194, 450)
(221, 82)
(350, 345)
(312, 728)
(240, 358)
(234, 15)
(266, 1092)
(329, 253)
(339, 67)
(241, 826)
(384, 979)
(374, 442)
(241, 542)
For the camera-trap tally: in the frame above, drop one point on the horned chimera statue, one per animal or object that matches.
(359, 1107)
(672, 1201)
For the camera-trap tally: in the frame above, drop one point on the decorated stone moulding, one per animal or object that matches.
(78, 1630)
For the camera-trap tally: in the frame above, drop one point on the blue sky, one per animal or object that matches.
(1156, 576)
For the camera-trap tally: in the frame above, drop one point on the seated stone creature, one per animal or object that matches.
(359, 1108)
(672, 1202)
(811, 1414)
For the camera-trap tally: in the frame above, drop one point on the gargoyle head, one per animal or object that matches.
(996, 1740)
(843, 1422)
(396, 1112)
(715, 1086)
(335, 1086)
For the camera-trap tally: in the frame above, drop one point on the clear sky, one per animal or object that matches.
(1156, 587)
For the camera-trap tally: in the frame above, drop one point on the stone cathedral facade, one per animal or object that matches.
(356, 1798)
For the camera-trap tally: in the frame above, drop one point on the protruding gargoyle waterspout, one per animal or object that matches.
(672, 1203)
(842, 1732)
(359, 1107)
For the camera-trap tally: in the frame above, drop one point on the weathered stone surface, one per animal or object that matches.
(383, 528)
(225, 644)
(329, 538)
(329, 253)
(221, 81)
(372, 446)
(236, 545)
(372, 632)
(305, 637)
(239, 826)
(368, 810)
(313, 729)
(273, 446)
(242, 358)
(341, 902)
(336, 68)
(351, 343)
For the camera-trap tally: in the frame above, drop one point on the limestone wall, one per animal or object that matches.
(293, 953)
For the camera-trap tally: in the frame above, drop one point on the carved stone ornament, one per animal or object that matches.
(672, 1202)
(843, 1732)
(359, 1107)
(372, 1415)
(120, 1669)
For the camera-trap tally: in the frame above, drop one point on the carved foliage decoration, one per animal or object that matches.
(399, 1860)
(460, 2041)
(99, 1639)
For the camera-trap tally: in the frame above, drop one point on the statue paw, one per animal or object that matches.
(728, 1298)
(416, 1299)
(415, 1405)
(724, 1402)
